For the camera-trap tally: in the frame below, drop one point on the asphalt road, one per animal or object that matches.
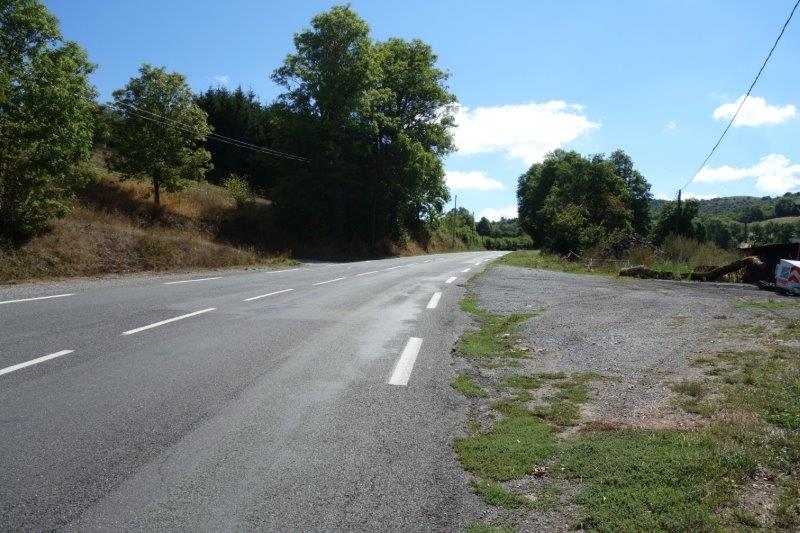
(309, 398)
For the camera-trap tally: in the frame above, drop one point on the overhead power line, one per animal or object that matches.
(155, 117)
(746, 96)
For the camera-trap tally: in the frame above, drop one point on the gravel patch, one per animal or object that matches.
(641, 334)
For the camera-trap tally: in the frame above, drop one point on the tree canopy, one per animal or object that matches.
(373, 119)
(569, 202)
(46, 117)
(158, 130)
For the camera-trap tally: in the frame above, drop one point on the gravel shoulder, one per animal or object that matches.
(590, 370)
(642, 334)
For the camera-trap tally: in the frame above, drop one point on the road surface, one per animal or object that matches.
(309, 398)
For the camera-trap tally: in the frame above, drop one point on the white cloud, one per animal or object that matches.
(473, 179)
(221, 79)
(492, 213)
(773, 173)
(671, 126)
(523, 131)
(755, 112)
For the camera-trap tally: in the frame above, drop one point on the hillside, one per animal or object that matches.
(734, 206)
(111, 230)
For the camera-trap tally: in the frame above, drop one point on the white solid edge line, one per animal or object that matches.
(37, 298)
(451, 280)
(466, 270)
(190, 280)
(167, 321)
(265, 295)
(329, 281)
(281, 270)
(36, 361)
(434, 301)
(404, 366)
(365, 273)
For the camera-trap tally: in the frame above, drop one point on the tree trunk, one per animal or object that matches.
(157, 193)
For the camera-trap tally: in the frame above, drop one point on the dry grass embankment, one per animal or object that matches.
(111, 229)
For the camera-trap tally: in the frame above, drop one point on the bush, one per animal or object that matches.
(239, 189)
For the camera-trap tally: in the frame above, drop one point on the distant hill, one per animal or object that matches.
(733, 207)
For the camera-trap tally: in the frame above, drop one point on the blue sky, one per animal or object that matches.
(655, 78)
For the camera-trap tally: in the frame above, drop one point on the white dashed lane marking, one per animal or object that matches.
(265, 295)
(404, 366)
(167, 321)
(32, 362)
(434, 301)
(36, 298)
(329, 281)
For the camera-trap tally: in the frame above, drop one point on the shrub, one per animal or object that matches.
(239, 189)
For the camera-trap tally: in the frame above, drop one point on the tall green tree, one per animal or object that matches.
(47, 112)
(568, 203)
(159, 130)
(484, 227)
(240, 115)
(676, 218)
(639, 188)
(375, 124)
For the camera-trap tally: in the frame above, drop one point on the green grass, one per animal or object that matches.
(464, 384)
(514, 447)
(769, 304)
(545, 261)
(495, 337)
(787, 513)
(494, 494)
(765, 382)
(641, 480)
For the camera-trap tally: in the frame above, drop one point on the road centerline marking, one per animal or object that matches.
(191, 280)
(466, 270)
(365, 273)
(329, 281)
(265, 295)
(392, 268)
(32, 362)
(167, 321)
(37, 298)
(451, 280)
(404, 365)
(434, 301)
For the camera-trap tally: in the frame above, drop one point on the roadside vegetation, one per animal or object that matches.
(677, 255)
(531, 450)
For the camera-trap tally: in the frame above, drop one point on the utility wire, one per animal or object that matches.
(155, 117)
(747, 95)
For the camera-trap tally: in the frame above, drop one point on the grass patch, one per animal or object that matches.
(514, 447)
(545, 261)
(787, 513)
(770, 304)
(791, 331)
(494, 494)
(496, 336)
(639, 480)
(766, 383)
(464, 384)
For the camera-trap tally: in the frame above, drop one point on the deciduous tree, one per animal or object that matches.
(46, 117)
(159, 130)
